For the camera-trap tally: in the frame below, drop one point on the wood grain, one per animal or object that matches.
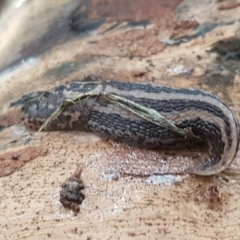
(181, 53)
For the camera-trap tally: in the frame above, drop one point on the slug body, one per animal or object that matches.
(206, 116)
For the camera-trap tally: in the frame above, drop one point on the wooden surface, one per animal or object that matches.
(49, 43)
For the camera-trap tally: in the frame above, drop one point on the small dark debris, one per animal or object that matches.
(140, 74)
(15, 157)
(71, 195)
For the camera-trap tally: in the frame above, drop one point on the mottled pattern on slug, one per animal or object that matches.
(206, 115)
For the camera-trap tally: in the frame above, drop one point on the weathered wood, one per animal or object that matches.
(48, 43)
